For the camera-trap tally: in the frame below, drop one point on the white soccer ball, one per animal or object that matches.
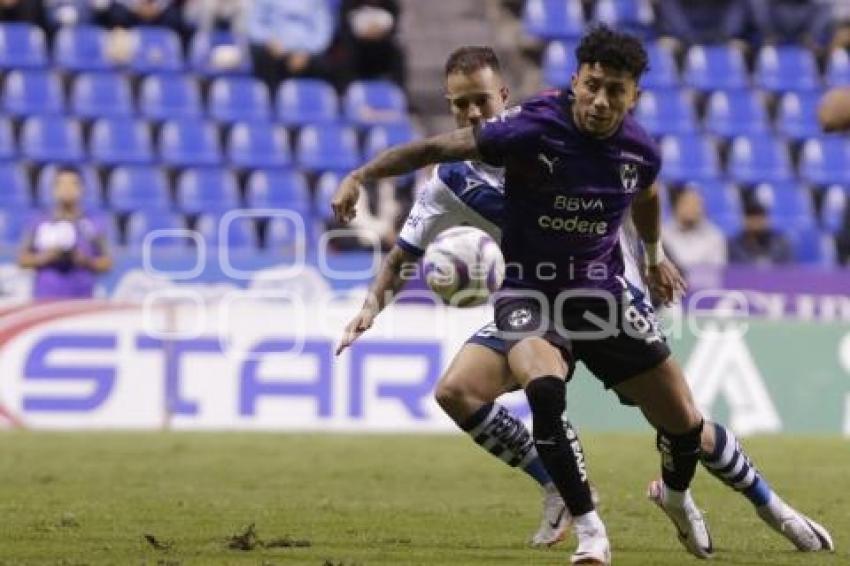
(463, 266)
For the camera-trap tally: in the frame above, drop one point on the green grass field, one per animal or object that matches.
(75, 499)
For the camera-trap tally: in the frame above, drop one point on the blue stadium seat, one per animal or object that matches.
(241, 231)
(553, 19)
(22, 46)
(759, 159)
(662, 72)
(789, 205)
(325, 188)
(137, 187)
(736, 113)
(143, 222)
(786, 68)
(328, 147)
(834, 207)
(202, 51)
(99, 95)
(278, 188)
(207, 189)
(121, 141)
(715, 67)
(632, 16)
(157, 50)
(52, 139)
(559, 63)
(824, 161)
(374, 102)
(667, 111)
(382, 137)
(91, 187)
(32, 92)
(282, 234)
(233, 99)
(838, 68)
(8, 147)
(15, 193)
(813, 247)
(81, 48)
(797, 115)
(251, 145)
(306, 101)
(689, 157)
(189, 142)
(170, 96)
(11, 227)
(722, 203)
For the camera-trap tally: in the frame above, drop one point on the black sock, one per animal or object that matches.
(679, 456)
(562, 457)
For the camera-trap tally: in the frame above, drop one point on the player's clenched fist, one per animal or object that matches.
(665, 282)
(344, 202)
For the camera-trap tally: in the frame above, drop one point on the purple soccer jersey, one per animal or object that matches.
(63, 279)
(566, 193)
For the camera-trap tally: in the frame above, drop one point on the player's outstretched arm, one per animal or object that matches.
(457, 145)
(382, 291)
(664, 279)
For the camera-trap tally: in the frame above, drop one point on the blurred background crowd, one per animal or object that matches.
(169, 113)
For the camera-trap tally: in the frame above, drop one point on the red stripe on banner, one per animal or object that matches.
(49, 312)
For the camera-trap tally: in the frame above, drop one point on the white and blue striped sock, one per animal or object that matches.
(730, 464)
(499, 432)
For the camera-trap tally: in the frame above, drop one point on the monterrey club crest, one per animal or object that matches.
(629, 177)
(519, 318)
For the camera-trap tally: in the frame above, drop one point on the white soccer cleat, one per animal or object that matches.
(555, 521)
(556, 518)
(805, 534)
(593, 548)
(690, 524)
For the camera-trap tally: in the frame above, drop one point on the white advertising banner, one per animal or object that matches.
(241, 363)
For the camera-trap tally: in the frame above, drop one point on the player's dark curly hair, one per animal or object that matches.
(613, 49)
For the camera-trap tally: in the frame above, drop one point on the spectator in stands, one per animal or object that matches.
(73, 12)
(758, 243)
(691, 238)
(368, 29)
(131, 13)
(840, 24)
(208, 15)
(289, 38)
(834, 110)
(67, 247)
(703, 21)
(791, 21)
(31, 11)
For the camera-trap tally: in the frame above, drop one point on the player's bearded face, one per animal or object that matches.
(603, 96)
(475, 97)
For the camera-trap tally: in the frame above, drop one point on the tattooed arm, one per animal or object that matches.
(458, 145)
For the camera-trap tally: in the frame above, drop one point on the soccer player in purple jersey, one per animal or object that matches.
(575, 163)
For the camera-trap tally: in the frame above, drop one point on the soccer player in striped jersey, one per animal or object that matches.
(470, 193)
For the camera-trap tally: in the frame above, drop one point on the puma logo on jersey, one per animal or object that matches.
(471, 184)
(549, 162)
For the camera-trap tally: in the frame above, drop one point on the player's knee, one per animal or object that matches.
(447, 393)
